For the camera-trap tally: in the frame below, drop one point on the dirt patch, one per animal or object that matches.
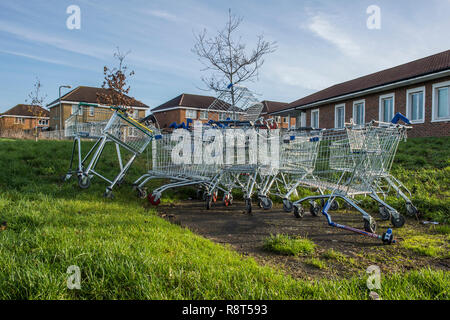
(246, 234)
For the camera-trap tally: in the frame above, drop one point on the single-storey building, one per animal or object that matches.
(61, 110)
(419, 89)
(195, 107)
(24, 117)
(285, 122)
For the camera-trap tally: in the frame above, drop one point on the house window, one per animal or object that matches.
(339, 116)
(43, 122)
(315, 119)
(359, 112)
(415, 102)
(19, 121)
(77, 109)
(223, 116)
(386, 108)
(285, 119)
(132, 132)
(191, 114)
(441, 101)
(278, 119)
(203, 115)
(91, 111)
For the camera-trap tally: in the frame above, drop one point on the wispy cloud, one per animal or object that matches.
(163, 15)
(321, 27)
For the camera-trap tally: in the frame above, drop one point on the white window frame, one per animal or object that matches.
(408, 93)
(43, 122)
(381, 105)
(203, 115)
(194, 112)
(336, 107)
(19, 120)
(363, 101)
(318, 118)
(435, 101)
(91, 111)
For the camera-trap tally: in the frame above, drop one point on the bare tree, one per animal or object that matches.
(36, 103)
(116, 81)
(225, 55)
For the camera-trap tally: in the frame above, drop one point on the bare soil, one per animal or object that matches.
(246, 233)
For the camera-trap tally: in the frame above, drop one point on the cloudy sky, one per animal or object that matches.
(320, 43)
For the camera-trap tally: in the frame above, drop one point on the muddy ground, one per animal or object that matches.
(246, 234)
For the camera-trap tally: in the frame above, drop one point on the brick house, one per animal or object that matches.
(419, 89)
(195, 107)
(24, 117)
(284, 122)
(70, 101)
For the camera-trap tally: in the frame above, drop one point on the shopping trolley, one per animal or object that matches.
(103, 124)
(347, 165)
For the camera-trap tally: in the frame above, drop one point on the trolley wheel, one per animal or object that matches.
(66, 177)
(248, 205)
(299, 211)
(334, 205)
(154, 199)
(208, 199)
(370, 225)
(108, 194)
(384, 213)
(141, 193)
(84, 182)
(411, 210)
(314, 209)
(287, 205)
(227, 200)
(387, 237)
(398, 221)
(266, 203)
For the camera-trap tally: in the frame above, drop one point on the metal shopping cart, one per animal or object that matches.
(103, 125)
(347, 165)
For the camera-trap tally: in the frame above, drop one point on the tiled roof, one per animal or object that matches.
(187, 100)
(90, 95)
(273, 106)
(27, 110)
(432, 64)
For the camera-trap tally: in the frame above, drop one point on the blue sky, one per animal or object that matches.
(320, 43)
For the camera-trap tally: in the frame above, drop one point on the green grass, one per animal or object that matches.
(286, 245)
(127, 252)
(317, 263)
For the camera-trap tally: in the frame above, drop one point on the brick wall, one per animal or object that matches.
(28, 123)
(426, 129)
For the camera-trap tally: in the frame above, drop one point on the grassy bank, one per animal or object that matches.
(127, 252)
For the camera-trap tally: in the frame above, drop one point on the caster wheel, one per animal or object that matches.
(334, 205)
(287, 205)
(398, 221)
(141, 193)
(370, 225)
(84, 182)
(154, 199)
(299, 211)
(388, 237)
(384, 213)
(66, 177)
(208, 200)
(411, 210)
(108, 194)
(248, 206)
(227, 200)
(266, 203)
(314, 209)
